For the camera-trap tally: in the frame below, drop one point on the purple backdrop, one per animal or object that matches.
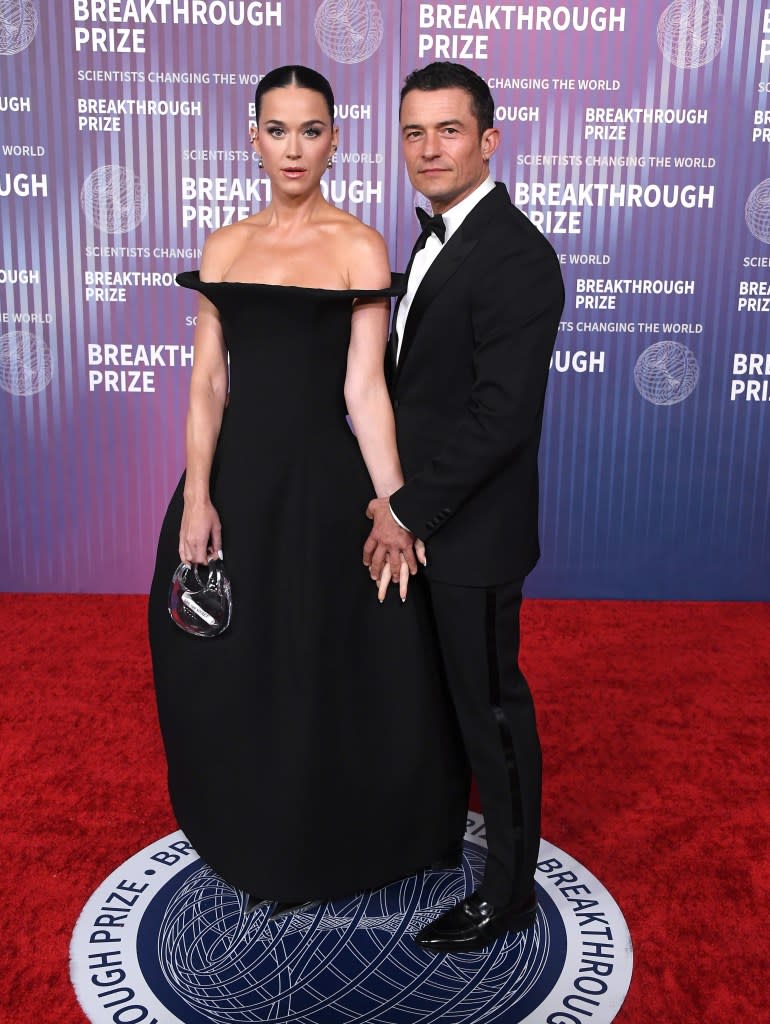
(636, 136)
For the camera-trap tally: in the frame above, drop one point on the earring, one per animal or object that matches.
(330, 164)
(260, 162)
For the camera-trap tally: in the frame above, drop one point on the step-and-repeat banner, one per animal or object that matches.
(636, 136)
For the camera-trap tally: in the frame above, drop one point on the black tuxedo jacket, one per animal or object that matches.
(468, 394)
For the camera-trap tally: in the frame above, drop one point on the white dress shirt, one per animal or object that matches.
(453, 218)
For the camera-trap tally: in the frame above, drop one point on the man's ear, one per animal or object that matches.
(490, 140)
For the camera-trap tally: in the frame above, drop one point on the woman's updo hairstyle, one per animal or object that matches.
(294, 74)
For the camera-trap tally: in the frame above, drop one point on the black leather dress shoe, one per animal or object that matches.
(475, 923)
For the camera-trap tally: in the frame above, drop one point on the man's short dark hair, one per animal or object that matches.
(443, 74)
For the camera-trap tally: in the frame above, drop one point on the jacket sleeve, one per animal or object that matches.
(515, 317)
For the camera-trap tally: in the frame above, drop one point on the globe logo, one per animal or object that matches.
(25, 363)
(690, 32)
(18, 25)
(346, 961)
(349, 31)
(189, 953)
(113, 199)
(758, 211)
(666, 373)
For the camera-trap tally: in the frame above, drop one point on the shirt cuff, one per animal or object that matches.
(403, 527)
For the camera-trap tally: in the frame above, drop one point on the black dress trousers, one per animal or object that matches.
(478, 629)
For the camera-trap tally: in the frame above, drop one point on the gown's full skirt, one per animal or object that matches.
(312, 750)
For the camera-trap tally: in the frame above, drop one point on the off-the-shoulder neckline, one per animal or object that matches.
(393, 287)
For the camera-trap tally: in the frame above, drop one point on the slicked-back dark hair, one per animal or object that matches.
(294, 74)
(443, 74)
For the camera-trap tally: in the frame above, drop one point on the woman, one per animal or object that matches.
(311, 751)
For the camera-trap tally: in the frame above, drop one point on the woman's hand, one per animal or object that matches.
(419, 550)
(402, 579)
(200, 536)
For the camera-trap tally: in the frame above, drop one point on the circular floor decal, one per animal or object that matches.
(164, 940)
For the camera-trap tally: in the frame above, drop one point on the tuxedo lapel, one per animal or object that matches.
(393, 338)
(452, 256)
(448, 261)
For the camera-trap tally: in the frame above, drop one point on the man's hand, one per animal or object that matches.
(388, 544)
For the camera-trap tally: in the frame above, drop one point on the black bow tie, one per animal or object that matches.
(430, 224)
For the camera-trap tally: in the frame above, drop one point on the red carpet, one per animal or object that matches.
(654, 720)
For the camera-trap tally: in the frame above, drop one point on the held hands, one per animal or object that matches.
(390, 552)
(401, 577)
(200, 536)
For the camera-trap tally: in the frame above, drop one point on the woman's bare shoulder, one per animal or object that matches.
(222, 246)
(353, 228)
(365, 252)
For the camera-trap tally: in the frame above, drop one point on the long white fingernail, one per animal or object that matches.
(220, 555)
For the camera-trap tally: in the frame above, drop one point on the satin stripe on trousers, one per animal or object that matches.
(478, 631)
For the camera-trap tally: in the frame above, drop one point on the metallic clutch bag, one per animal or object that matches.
(200, 599)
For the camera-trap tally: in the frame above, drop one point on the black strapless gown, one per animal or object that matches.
(312, 751)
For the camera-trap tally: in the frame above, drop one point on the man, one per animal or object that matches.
(470, 350)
